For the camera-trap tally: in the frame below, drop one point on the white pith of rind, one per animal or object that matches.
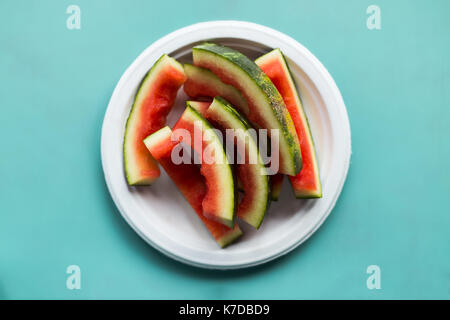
(155, 138)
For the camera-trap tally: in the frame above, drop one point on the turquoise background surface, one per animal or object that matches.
(394, 210)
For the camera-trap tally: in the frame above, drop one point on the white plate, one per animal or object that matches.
(161, 216)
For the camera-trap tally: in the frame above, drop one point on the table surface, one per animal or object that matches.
(55, 208)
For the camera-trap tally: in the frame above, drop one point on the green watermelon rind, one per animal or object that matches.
(229, 238)
(230, 219)
(275, 190)
(274, 102)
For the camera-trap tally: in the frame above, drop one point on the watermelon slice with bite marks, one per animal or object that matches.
(266, 107)
(251, 171)
(306, 184)
(153, 101)
(189, 181)
(219, 203)
(203, 83)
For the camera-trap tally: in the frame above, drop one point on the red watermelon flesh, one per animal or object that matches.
(306, 184)
(190, 182)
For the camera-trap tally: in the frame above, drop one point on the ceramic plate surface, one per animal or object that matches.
(160, 214)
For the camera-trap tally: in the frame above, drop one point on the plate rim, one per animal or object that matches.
(228, 26)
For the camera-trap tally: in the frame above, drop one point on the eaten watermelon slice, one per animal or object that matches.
(219, 203)
(251, 171)
(153, 101)
(306, 184)
(266, 106)
(190, 182)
